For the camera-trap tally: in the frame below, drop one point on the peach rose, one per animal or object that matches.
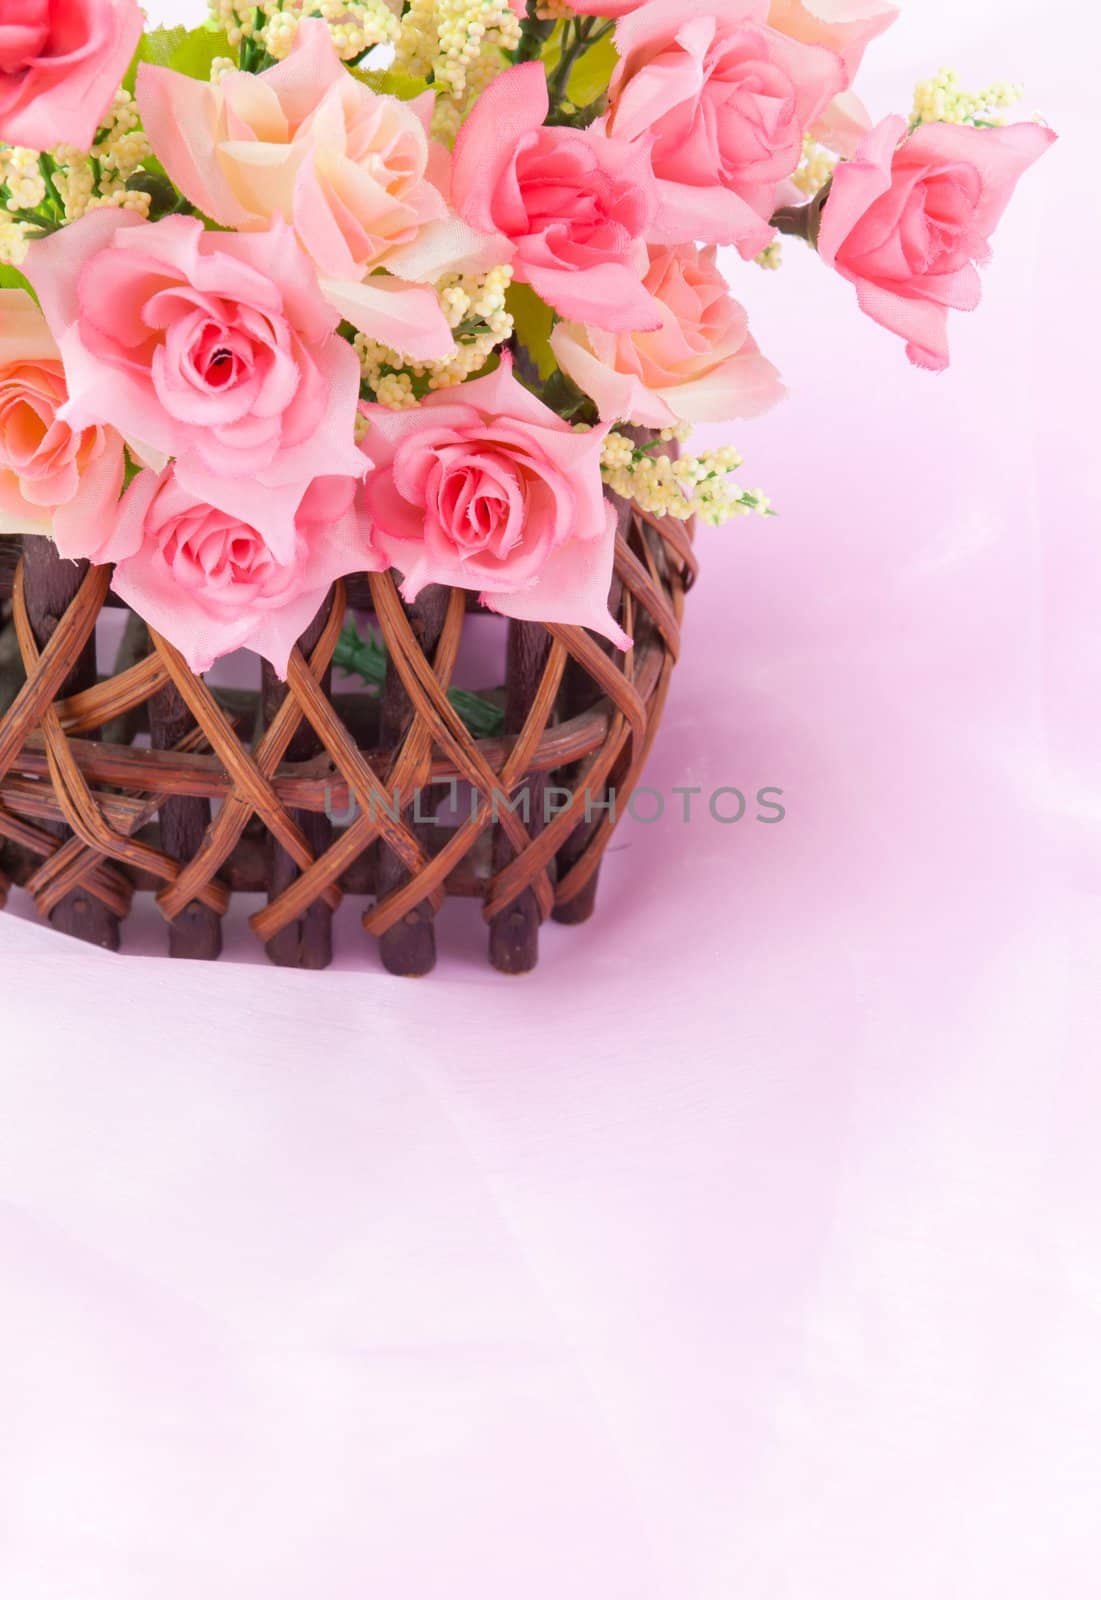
(210, 582)
(701, 365)
(54, 479)
(60, 64)
(483, 487)
(907, 220)
(572, 207)
(727, 101)
(846, 26)
(355, 174)
(215, 348)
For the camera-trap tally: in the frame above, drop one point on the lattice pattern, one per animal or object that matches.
(84, 820)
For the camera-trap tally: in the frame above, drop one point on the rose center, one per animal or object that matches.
(479, 507)
(220, 368)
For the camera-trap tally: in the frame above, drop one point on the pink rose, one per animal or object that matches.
(355, 174)
(60, 64)
(846, 26)
(701, 365)
(575, 207)
(216, 348)
(210, 582)
(54, 479)
(727, 101)
(907, 221)
(484, 488)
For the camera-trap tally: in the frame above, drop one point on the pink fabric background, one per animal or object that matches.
(751, 1249)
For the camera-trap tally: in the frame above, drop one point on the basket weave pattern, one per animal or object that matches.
(85, 822)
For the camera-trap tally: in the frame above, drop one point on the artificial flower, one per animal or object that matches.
(909, 220)
(846, 26)
(355, 173)
(54, 479)
(216, 349)
(486, 488)
(209, 580)
(701, 365)
(60, 64)
(725, 102)
(574, 206)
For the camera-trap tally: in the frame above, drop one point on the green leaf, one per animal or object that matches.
(533, 321)
(591, 72)
(198, 51)
(156, 47)
(483, 718)
(191, 53)
(398, 84)
(164, 198)
(589, 78)
(12, 278)
(365, 658)
(160, 45)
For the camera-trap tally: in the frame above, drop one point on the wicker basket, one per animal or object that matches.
(240, 796)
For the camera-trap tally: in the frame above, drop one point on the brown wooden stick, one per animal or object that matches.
(134, 646)
(11, 681)
(308, 941)
(196, 933)
(408, 949)
(246, 870)
(11, 548)
(11, 662)
(50, 584)
(514, 932)
(580, 693)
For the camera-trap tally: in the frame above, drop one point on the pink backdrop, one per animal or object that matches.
(748, 1251)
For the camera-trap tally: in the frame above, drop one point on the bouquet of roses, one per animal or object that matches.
(332, 286)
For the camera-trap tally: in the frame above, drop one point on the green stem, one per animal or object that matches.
(534, 33)
(587, 32)
(46, 167)
(366, 659)
(37, 219)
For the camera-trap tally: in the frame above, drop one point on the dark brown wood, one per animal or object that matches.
(11, 548)
(579, 694)
(11, 662)
(308, 941)
(134, 646)
(246, 871)
(311, 785)
(563, 720)
(359, 594)
(514, 932)
(408, 949)
(50, 583)
(196, 934)
(358, 712)
(11, 680)
(10, 551)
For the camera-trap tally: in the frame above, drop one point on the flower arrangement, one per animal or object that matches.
(351, 285)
